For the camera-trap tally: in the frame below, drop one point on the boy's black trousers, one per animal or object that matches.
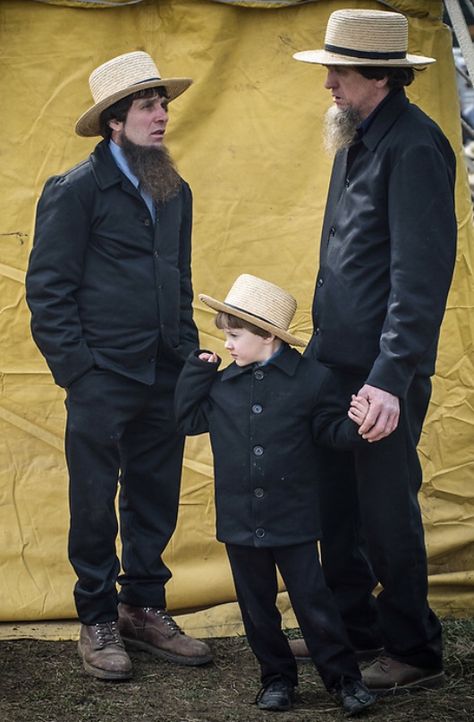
(255, 578)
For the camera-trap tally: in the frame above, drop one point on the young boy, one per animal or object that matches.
(264, 412)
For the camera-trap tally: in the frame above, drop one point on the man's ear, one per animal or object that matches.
(115, 124)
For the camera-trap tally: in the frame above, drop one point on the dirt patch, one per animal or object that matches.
(44, 682)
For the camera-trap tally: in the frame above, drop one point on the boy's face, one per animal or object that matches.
(246, 347)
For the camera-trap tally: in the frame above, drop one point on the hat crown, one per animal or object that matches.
(367, 31)
(120, 73)
(262, 299)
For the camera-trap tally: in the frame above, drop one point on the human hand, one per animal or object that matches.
(358, 409)
(383, 414)
(211, 358)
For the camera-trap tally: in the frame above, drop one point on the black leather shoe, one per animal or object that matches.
(354, 696)
(277, 696)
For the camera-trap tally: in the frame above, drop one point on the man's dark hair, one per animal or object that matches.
(225, 320)
(397, 77)
(118, 111)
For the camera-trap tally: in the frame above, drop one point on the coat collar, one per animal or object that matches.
(384, 119)
(287, 361)
(106, 170)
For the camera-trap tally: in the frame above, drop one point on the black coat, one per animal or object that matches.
(387, 249)
(104, 284)
(263, 424)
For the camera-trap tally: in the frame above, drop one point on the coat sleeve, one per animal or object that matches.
(188, 332)
(422, 226)
(192, 395)
(53, 278)
(330, 423)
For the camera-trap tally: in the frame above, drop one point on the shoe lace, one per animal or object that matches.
(166, 618)
(107, 633)
(277, 685)
(384, 663)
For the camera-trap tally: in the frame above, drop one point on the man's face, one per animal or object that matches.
(350, 89)
(145, 123)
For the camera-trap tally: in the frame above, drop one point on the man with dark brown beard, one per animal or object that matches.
(109, 288)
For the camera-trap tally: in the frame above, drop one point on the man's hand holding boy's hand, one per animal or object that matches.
(358, 409)
(211, 358)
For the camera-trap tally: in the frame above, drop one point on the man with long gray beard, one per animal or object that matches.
(109, 288)
(386, 261)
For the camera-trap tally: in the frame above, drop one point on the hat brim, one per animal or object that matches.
(255, 320)
(323, 57)
(89, 123)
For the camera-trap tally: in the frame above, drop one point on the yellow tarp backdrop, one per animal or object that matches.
(247, 136)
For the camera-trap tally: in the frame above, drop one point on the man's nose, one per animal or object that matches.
(331, 80)
(161, 114)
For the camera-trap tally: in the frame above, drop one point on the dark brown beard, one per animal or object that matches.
(154, 169)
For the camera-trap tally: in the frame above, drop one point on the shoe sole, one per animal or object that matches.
(104, 674)
(168, 656)
(360, 710)
(277, 708)
(436, 680)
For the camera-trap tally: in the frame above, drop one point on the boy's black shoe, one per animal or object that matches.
(354, 696)
(277, 696)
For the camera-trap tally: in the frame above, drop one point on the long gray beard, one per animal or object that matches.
(154, 169)
(340, 128)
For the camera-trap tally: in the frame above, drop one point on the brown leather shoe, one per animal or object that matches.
(389, 676)
(154, 631)
(301, 652)
(102, 651)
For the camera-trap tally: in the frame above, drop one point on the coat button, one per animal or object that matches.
(347, 182)
(320, 282)
(259, 374)
(146, 222)
(258, 450)
(316, 331)
(258, 492)
(257, 409)
(260, 533)
(155, 254)
(332, 231)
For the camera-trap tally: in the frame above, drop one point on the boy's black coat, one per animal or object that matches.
(263, 422)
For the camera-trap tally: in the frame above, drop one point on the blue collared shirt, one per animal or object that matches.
(120, 159)
(273, 356)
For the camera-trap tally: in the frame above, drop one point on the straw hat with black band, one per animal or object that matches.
(122, 76)
(365, 37)
(261, 303)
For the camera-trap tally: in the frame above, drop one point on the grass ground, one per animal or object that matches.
(44, 682)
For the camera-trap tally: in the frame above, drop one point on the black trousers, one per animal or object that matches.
(373, 532)
(254, 573)
(120, 430)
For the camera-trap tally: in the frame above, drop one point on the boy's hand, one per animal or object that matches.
(358, 409)
(211, 358)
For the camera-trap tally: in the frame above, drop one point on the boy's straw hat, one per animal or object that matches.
(122, 76)
(365, 37)
(261, 303)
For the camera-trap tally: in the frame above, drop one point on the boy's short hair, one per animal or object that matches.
(225, 320)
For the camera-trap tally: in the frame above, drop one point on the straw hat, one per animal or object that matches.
(365, 37)
(259, 302)
(122, 76)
